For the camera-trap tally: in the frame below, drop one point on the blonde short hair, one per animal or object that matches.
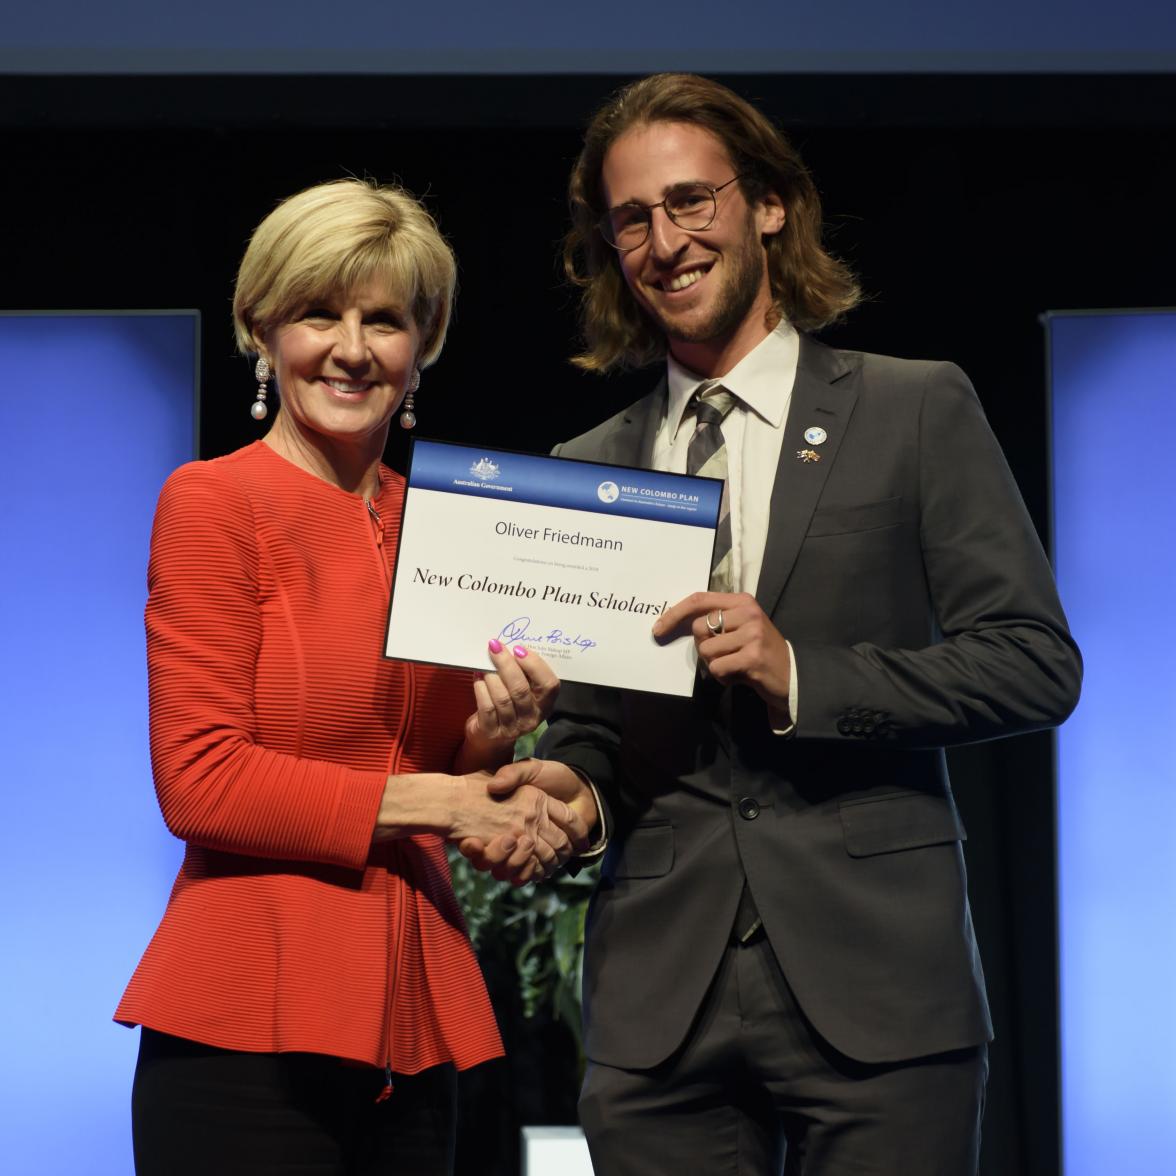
(336, 237)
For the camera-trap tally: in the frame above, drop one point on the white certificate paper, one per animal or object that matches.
(573, 559)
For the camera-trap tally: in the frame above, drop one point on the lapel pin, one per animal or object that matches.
(815, 435)
(807, 455)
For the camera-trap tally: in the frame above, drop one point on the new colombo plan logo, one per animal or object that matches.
(484, 470)
(608, 492)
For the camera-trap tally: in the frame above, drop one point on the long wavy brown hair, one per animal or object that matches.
(810, 286)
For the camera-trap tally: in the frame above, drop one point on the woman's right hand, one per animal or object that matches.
(540, 826)
(505, 860)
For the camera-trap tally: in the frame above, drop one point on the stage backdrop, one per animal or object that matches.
(610, 36)
(1113, 391)
(98, 409)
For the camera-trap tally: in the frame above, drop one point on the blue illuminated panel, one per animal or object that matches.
(98, 409)
(1113, 379)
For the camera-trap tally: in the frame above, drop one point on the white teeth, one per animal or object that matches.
(348, 385)
(684, 280)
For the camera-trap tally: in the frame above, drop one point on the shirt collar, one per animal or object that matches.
(757, 379)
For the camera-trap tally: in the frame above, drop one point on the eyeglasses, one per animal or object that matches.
(689, 206)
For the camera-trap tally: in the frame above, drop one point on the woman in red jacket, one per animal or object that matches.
(311, 990)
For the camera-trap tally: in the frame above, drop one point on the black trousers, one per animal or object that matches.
(755, 1091)
(198, 1110)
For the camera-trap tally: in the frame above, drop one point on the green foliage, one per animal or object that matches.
(541, 925)
(525, 744)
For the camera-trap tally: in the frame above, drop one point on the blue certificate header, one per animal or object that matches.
(566, 483)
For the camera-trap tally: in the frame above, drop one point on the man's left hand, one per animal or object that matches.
(736, 642)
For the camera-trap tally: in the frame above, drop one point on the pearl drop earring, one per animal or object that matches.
(262, 373)
(408, 416)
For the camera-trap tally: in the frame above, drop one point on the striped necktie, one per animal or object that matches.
(707, 455)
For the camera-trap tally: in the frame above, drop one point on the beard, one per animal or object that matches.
(733, 302)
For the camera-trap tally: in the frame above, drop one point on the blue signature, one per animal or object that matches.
(520, 630)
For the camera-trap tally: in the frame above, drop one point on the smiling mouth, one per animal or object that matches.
(682, 281)
(347, 385)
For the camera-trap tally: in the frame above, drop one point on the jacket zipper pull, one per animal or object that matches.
(378, 524)
(386, 1093)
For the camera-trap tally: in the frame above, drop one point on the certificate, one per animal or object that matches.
(571, 558)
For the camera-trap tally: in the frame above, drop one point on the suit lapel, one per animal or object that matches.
(631, 442)
(823, 396)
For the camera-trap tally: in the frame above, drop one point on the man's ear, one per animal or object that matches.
(770, 215)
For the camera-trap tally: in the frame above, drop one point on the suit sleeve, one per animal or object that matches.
(584, 733)
(1005, 661)
(217, 787)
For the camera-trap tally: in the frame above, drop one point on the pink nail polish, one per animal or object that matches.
(495, 645)
(519, 651)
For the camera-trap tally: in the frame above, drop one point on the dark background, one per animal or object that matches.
(969, 205)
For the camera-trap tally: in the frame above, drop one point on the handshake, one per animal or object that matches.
(524, 821)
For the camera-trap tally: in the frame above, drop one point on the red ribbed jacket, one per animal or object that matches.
(274, 722)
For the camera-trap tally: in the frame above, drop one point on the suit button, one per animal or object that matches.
(748, 808)
(844, 725)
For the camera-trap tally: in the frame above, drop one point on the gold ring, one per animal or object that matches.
(717, 626)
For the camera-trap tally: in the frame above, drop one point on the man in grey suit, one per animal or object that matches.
(780, 969)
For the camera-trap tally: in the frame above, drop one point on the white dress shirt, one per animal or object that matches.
(753, 432)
